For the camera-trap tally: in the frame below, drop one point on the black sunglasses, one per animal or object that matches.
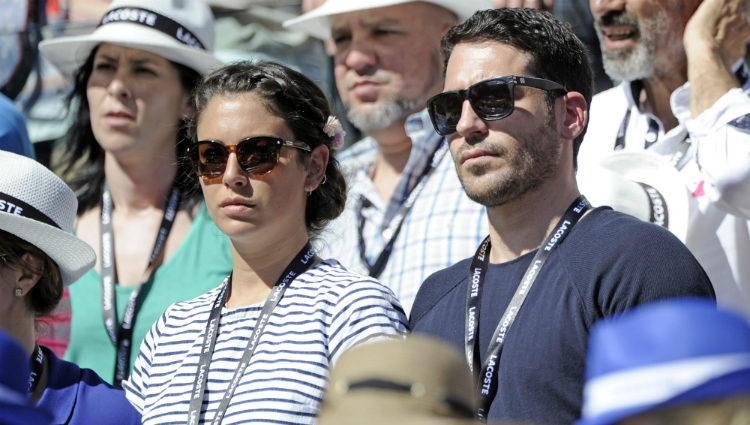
(491, 100)
(256, 155)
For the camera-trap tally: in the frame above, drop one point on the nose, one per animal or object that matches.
(360, 55)
(119, 86)
(470, 126)
(234, 176)
(600, 7)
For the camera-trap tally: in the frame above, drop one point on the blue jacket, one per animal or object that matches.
(79, 396)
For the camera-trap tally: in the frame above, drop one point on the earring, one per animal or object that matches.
(309, 193)
(325, 177)
(19, 292)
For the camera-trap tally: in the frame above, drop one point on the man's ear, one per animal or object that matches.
(317, 167)
(24, 277)
(573, 115)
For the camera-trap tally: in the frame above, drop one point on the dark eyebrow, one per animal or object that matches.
(109, 58)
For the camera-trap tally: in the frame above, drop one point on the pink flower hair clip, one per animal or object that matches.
(335, 131)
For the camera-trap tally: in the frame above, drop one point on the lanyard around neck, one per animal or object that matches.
(38, 363)
(301, 262)
(376, 268)
(122, 336)
(486, 374)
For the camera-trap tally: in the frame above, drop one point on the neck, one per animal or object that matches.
(394, 149)
(19, 322)
(521, 226)
(656, 94)
(139, 185)
(256, 267)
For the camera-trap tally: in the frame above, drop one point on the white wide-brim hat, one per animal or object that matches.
(317, 22)
(642, 184)
(181, 31)
(38, 207)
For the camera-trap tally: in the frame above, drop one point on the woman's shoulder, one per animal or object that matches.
(332, 275)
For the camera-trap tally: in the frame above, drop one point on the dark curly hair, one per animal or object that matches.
(82, 159)
(556, 53)
(303, 106)
(46, 294)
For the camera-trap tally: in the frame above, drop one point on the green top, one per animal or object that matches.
(200, 264)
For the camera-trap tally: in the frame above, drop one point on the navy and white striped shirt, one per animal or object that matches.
(324, 312)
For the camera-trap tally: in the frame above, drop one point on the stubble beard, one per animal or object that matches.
(529, 166)
(379, 116)
(640, 61)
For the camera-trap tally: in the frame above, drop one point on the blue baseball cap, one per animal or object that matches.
(663, 354)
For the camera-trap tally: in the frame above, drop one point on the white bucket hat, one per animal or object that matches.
(317, 22)
(179, 30)
(38, 207)
(641, 184)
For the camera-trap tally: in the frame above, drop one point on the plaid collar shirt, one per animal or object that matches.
(442, 227)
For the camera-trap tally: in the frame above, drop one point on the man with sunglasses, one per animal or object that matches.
(406, 215)
(514, 110)
(686, 97)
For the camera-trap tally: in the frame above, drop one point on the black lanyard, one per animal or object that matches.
(376, 269)
(303, 261)
(652, 135)
(38, 362)
(486, 376)
(122, 336)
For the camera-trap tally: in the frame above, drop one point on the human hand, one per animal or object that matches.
(721, 26)
(714, 39)
(528, 4)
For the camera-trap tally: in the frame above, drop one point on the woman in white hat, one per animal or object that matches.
(155, 241)
(38, 255)
(257, 348)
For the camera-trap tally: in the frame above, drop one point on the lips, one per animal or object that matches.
(119, 114)
(474, 154)
(236, 202)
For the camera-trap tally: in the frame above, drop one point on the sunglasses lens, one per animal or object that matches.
(210, 159)
(258, 155)
(445, 111)
(491, 100)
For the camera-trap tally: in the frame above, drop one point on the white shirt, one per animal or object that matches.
(715, 169)
(443, 226)
(323, 312)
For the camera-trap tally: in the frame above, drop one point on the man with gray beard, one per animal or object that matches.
(407, 215)
(685, 95)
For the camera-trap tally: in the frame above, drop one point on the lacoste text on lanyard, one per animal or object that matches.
(37, 362)
(487, 378)
(304, 259)
(122, 336)
(376, 269)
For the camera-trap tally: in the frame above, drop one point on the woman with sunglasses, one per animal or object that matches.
(257, 348)
(139, 206)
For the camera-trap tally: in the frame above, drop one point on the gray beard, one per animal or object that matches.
(380, 118)
(638, 63)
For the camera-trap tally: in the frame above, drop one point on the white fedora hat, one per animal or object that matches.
(317, 22)
(642, 184)
(38, 207)
(179, 30)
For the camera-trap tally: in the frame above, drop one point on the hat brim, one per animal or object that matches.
(317, 23)
(13, 414)
(651, 169)
(73, 256)
(68, 54)
(729, 385)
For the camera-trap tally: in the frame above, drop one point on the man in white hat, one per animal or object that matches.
(407, 215)
(686, 97)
